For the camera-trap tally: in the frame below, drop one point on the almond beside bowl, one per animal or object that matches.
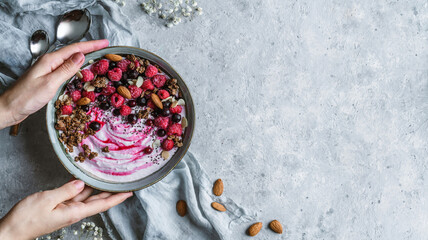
(114, 130)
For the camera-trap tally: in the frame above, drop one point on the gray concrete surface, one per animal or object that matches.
(312, 112)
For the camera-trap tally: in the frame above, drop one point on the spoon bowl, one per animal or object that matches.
(73, 26)
(39, 43)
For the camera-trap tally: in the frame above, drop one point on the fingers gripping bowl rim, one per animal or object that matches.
(104, 185)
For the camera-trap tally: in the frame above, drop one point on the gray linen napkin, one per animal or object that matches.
(151, 213)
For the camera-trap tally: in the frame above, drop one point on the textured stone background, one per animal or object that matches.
(313, 113)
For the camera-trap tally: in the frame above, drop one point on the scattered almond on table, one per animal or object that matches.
(218, 187)
(255, 228)
(276, 226)
(218, 206)
(181, 208)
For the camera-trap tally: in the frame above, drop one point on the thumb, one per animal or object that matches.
(68, 68)
(66, 192)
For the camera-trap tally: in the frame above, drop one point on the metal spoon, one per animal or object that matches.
(71, 27)
(39, 44)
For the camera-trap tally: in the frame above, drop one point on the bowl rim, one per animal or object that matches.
(51, 129)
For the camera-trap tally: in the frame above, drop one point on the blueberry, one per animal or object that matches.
(85, 108)
(166, 104)
(125, 76)
(102, 98)
(104, 105)
(78, 84)
(132, 103)
(141, 101)
(116, 112)
(132, 119)
(98, 90)
(155, 114)
(161, 132)
(124, 80)
(133, 74)
(112, 65)
(95, 126)
(166, 112)
(176, 118)
(116, 84)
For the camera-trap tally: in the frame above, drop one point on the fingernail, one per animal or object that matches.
(77, 58)
(129, 194)
(79, 184)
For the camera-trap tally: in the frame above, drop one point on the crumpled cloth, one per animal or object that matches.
(151, 213)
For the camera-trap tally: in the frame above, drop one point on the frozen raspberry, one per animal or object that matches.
(90, 95)
(167, 144)
(115, 74)
(151, 71)
(147, 85)
(159, 80)
(109, 90)
(100, 67)
(135, 91)
(125, 110)
(176, 109)
(123, 64)
(66, 110)
(76, 95)
(175, 129)
(163, 94)
(151, 104)
(116, 100)
(162, 122)
(87, 75)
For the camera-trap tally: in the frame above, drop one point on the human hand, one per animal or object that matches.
(45, 212)
(39, 84)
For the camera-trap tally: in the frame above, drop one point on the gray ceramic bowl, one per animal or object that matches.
(78, 173)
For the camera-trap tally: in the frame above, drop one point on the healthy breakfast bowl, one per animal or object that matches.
(123, 122)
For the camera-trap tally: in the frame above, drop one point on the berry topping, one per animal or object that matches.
(132, 119)
(163, 94)
(151, 71)
(104, 105)
(116, 100)
(161, 132)
(132, 103)
(109, 90)
(147, 85)
(78, 85)
(166, 104)
(135, 91)
(115, 74)
(133, 74)
(116, 112)
(176, 109)
(141, 101)
(159, 80)
(117, 84)
(76, 95)
(151, 105)
(85, 108)
(166, 112)
(95, 126)
(123, 65)
(148, 150)
(125, 110)
(112, 65)
(167, 144)
(90, 95)
(162, 122)
(87, 75)
(100, 67)
(66, 110)
(176, 117)
(149, 122)
(175, 129)
(102, 98)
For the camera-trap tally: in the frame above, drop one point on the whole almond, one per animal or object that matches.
(255, 228)
(181, 208)
(113, 57)
(156, 100)
(219, 207)
(276, 226)
(83, 101)
(218, 187)
(124, 92)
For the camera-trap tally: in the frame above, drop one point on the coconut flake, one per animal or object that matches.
(165, 155)
(63, 97)
(184, 122)
(156, 143)
(88, 87)
(181, 102)
(139, 82)
(167, 99)
(79, 75)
